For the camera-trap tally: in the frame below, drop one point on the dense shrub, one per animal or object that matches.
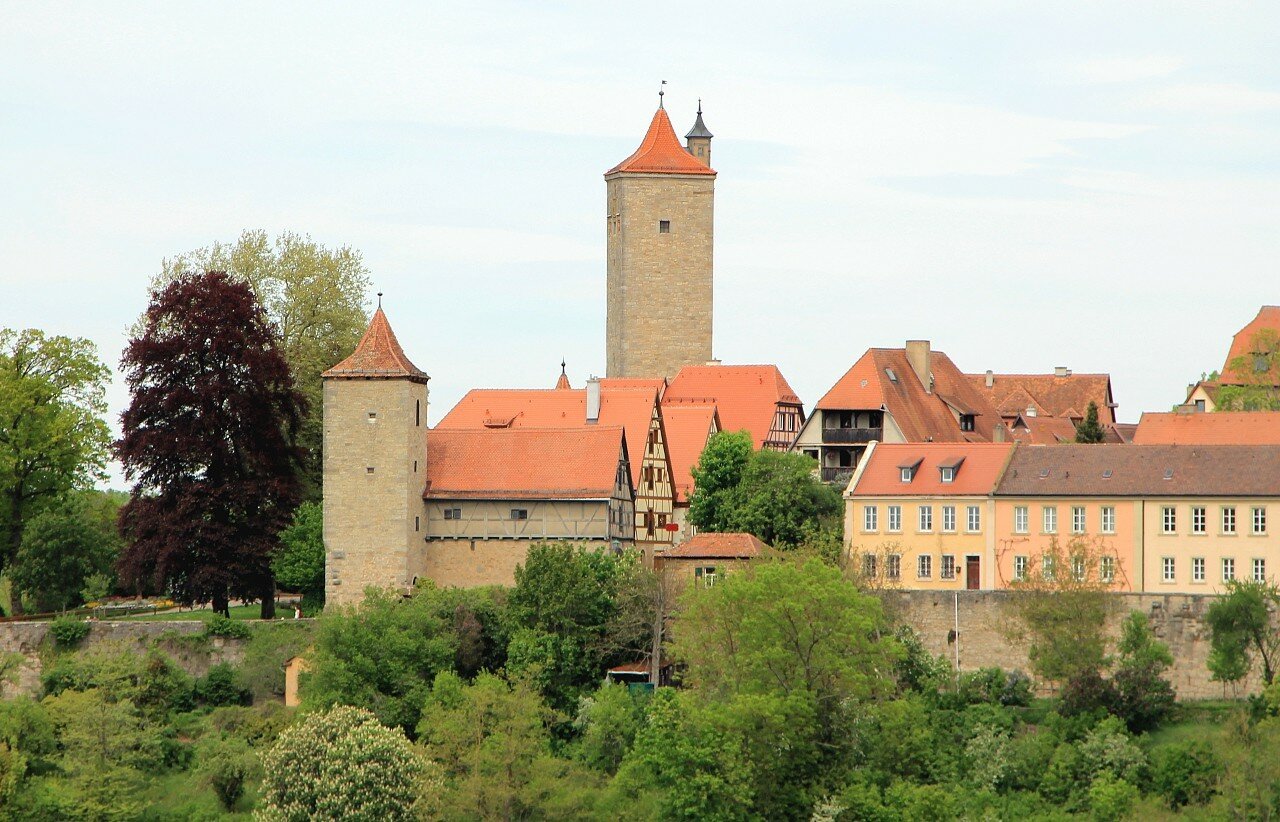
(227, 763)
(218, 625)
(221, 686)
(68, 631)
(1186, 773)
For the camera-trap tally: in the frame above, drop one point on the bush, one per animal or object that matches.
(68, 632)
(227, 764)
(1186, 773)
(221, 686)
(225, 627)
(1111, 798)
(342, 764)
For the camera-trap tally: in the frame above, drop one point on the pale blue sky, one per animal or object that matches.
(1025, 184)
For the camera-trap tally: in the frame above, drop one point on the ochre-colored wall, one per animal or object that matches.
(1125, 543)
(659, 285)
(911, 543)
(1244, 546)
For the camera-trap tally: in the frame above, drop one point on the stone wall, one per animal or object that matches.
(29, 640)
(983, 621)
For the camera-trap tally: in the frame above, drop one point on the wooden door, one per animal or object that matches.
(972, 573)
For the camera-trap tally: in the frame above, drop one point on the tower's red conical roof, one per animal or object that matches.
(378, 355)
(660, 152)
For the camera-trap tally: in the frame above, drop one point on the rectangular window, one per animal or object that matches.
(948, 474)
(1107, 569)
(948, 518)
(924, 566)
(1108, 519)
(417, 523)
(1019, 567)
(1169, 519)
(1020, 519)
(1046, 568)
(895, 518)
(519, 513)
(1077, 569)
(904, 474)
(664, 226)
(1167, 569)
(926, 518)
(975, 519)
(453, 513)
(1228, 569)
(1050, 513)
(869, 566)
(1260, 519)
(1259, 570)
(894, 569)
(706, 574)
(1198, 520)
(1229, 520)
(1197, 569)
(948, 566)
(1077, 519)
(869, 516)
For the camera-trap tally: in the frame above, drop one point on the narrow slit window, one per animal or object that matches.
(664, 226)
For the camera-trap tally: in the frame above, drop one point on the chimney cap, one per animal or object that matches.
(1061, 371)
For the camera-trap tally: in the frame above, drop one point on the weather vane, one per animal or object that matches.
(661, 91)
(379, 299)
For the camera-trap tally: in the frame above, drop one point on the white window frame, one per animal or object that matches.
(1228, 569)
(1107, 569)
(973, 519)
(1199, 519)
(1168, 569)
(870, 565)
(924, 566)
(1046, 568)
(1020, 567)
(1259, 519)
(948, 568)
(1108, 519)
(1077, 519)
(905, 474)
(1197, 569)
(895, 519)
(1168, 519)
(1021, 521)
(1077, 569)
(1259, 569)
(1049, 519)
(948, 519)
(948, 474)
(893, 569)
(924, 519)
(1229, 519)
(870, 517)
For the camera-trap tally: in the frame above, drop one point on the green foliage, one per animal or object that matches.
(607, 723)
(381, 655)
(299, 566)
(222, 626)
(222, 686)
(1253, 379)
(340, 764)
(1144, 698)
(1186, 773)
(771, 494)
(271, 645)
(1111, 798)
(227, 763)
(1090, 430)
(1241, 627)
(994, 686)
(69, 631)
(52, 435)
(314, 296)
(918, 670)
(61, 550)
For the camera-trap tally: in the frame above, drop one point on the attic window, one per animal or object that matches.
(948, 474)
(948, 469)
(1044, 473)
(966, 422)
(664, 226)
(1168, 473)
(892, 376)
(907, 470)
(1107, 474)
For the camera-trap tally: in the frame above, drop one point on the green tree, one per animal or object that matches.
(340, 765)
(716, 477)
(314, 296)
(52, 435)
(1251, 381)
(1144, 698)
(1090, 430)
(227, 763)
(61, 550)
(299, 566)
(1241, 626)
(607, 723)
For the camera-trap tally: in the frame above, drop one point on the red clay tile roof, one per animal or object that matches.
(746, 396)
(523, 463)
(881, 476)
(1050, 395)
(921, 416)
(651, 383)
(688, 427)
(1107, 470)
(1267, 323)
(1042, 430)
(1218, 428)
(717, 546)
(661, 153)
(378, 355)
(557, 408)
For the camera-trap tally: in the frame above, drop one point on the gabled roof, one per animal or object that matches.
(658, 384)
(1042, 430)
(1107, 470)
(631, 408)
(378, 355)
(746, 396)
(688, 428)
(1049, 394)
(1242, 345)
(1218, 428)
(881, 474)
(717, 546)
(523, 463)
(883, 378)
(660, 152)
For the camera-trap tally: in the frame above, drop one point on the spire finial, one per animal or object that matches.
(379, 299)
(699, 105)
(562, 365)
(661, 91)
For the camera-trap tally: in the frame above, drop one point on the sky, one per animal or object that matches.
(1027, 185)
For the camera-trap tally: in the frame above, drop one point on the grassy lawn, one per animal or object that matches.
(237, 612)
(1205, 720)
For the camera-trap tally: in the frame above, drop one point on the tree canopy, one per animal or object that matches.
(1242, 627)
(209, 444)
(1090, 430)
(313, 295)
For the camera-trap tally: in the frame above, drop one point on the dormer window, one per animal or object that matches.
(948, 469)
(907, 470)
(966, 422)
(948, 474)
(906, 474)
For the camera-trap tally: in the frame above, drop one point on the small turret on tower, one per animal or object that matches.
(698, 140)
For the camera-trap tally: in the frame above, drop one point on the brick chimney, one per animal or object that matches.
(919, 356)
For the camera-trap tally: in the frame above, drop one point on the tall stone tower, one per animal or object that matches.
(660, 204)
(375, 437)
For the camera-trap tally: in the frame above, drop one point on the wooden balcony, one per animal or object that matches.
(845, 436)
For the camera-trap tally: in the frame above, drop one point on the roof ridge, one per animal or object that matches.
(377, 355)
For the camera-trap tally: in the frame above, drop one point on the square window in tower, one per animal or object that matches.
(664, 226)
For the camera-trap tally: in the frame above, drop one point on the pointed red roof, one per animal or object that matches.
(1253, 338)
(377, 356)
(562, 384)
(661, 153)
(746, 396)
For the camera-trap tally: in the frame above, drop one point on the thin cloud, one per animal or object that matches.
(1220, 98)
(1131, 69)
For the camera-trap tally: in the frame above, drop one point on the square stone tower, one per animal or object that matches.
(659, 227)
(375, 438)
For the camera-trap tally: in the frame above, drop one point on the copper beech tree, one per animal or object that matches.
(209, 442)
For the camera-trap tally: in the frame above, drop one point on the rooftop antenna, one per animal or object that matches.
(661, 92)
